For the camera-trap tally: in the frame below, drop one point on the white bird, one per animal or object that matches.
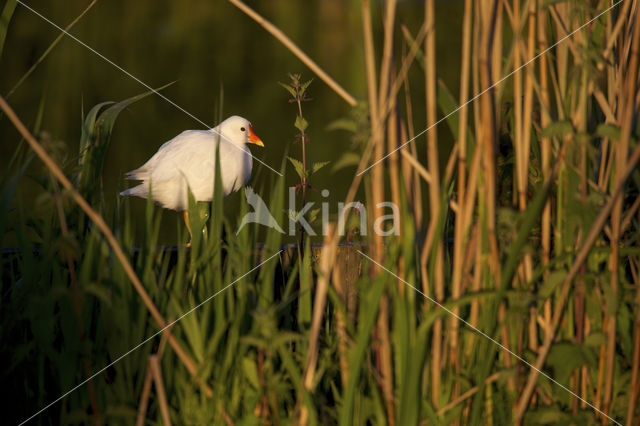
(188, 161)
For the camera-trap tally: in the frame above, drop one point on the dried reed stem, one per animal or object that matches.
(416, 165)
(144, 397)
(394, 175)
(414, 189)
(459, 230)
(383, 348)
(156, 372)
(401, 77)
(492, 378)
(146, 387)
(387, 55)
(434, 198)
(627, 111)
(545, 148)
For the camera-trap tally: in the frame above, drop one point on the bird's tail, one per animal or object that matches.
(138, 191)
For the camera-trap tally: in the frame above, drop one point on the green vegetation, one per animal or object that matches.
(510, 295)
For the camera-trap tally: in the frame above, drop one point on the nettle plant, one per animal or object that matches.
(298, 92)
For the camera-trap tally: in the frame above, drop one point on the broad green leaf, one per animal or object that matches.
(343, 124)
(313, 215)
(583, 138)
(292, 214)
(558, 129)
(551, 283)
(610, 131)
(566, 357)
(595, 339)
(304, 304)
(100, 291)
(317, 166)
(547, 416)
(304, 86)
(301, 124)
(346, 160)
(251, 372)
(290, 89)
(298, 166)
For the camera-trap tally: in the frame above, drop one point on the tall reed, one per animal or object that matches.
(509, 295)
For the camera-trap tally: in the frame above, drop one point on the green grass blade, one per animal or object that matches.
(7, 13)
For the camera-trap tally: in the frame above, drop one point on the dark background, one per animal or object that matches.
(215, 52)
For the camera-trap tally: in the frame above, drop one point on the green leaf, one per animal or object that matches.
(415, 47)
(595, 339)
(290, 89)
(343, 124)
(610, 131)
(317, 166)
(566, 357)
(548, 416)
(366, 320)
(301, 124)
(447, 104)
(251, 372)
(89, 129)
(554, 280)
(292, 214)
(7, 13)
(304, 305)
(558, 129)
(96, 136)
(313, 215)
(100, 291)
(583, 138)
(346, 160)
(304, 86)
(298, 166)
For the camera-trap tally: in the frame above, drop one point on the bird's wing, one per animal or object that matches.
(182, 154)
(236, 164)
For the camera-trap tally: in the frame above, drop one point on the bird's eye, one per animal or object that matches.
(242, 129)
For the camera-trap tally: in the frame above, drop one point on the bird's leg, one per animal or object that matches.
(185, 215)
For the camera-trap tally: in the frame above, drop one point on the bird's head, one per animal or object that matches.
(239, 131)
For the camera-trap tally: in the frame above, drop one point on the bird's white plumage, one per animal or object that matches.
(188, 161)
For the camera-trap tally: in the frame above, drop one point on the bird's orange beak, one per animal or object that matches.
(253, 138)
